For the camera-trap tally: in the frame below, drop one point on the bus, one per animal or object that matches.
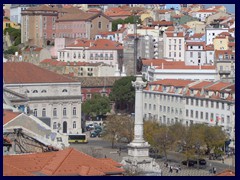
(77, 138)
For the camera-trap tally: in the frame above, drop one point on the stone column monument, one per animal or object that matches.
(138, 150)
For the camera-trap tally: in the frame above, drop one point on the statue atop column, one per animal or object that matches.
(139, 65)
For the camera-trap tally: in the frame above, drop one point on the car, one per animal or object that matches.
(189, 162)
(94, 134)
(202, 162)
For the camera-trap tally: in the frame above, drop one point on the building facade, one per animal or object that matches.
(189, 102)
(51, 96)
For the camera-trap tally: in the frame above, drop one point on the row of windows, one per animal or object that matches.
(164, 109)
(43, 91)
(200, 115)
(175, 47)
(175, 54)
(56, 126)
(70, 26)
(164, 97)
(199, 102)
(175, 41)
(74, 112)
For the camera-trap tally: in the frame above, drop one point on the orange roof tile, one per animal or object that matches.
(81, 43)
(105, 44)
(206, 11)
(162, 23)
(9, 170)
(195, 43)
(197, 35)
(8, 115)
(226, 172)
(170, 28)
(200, 85)
(64, 162)
(171, 34)
(23, 72)
(209, 47)
(217, 86)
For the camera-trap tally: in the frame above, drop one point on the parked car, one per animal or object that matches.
(189, 163)
(202, 162)
(94, 134)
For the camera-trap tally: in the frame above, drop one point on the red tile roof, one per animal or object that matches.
(163, 64)
(217, 86)
(162, 23)
(9, 170)
(8, 115)
(37, 49)
(170, 28)
(197, 35)
(227, 172)
(200, 85)
(209, 47)
(23, 72)
(105, 44)
(62, 163)
(206, 11)
(195, 43)
(171, 34)
(81, 43)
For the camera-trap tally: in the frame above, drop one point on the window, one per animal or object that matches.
(111, 56)
(206, 103)
(170, 47)
(196, 114)
(145, 105)
(206, 116)
(196, 102)
(170, 41)
(170, 54)
(74, 124)
(35, 112)
(54, 112)
(228, 119)
(64, 90)
(199, 54)
(180, 47)
(55, 125)
(222, 105)
(74, 111)
(154, 107)
(211, 117)
(99, 25)
(43, 91)
(175, 47)
(44, 112)
(212, 104)
(160, 108)
(222, 119)
(64, 111)
(35, 91)
(175, 41)
(201, 115)
(191, 54)
(106, 56)
(174, 54)
(191, 113)
(187, 101)
(180, 54)
(192, 102)
(150, 106)
(164, 108)
(168, 109)
(228, 107)
(187, 112)
(217, 105)
(179, 42)
(201, 103)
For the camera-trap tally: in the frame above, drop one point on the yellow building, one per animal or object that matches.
(197, 26)
(221, 41)
(7, 23)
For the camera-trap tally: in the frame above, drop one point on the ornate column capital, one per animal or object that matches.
(139, 84)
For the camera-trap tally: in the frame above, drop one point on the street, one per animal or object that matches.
(100, 148)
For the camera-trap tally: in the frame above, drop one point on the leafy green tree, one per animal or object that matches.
(115, 24)
(15, 35)
(97, 105)
(123, 94)
(11, 50)
(130, 19)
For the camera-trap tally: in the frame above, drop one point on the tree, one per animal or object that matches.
(123, 94)
(118, 127)
(127, 20)
(97, 105)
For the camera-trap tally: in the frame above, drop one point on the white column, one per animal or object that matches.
(138, 125)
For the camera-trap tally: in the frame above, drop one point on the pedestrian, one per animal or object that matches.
(214, 170)
(179, 167)
(170, 170)
(223, 160)
(166, 164)
(176, 170)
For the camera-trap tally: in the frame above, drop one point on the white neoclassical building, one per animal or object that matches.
(156, 69)
(53, 98)
(206, 102)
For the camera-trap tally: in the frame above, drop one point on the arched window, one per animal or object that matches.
(27, 91)
(44, 112)
(55, 112)
(64, 111)
(35, 112)
(35, 91)
(55, 125)
(43, 91)
(64, 90)
(74, 124)
(74, 111)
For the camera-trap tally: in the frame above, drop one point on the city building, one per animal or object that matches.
(211, 33)
(51, 97)
(222, 40)
(15, 11)
(7, 23)
(203, 14)
(156, 69)
(189, 102)
(174, 44)
(82, 25)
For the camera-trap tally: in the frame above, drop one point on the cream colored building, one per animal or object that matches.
(197, 26)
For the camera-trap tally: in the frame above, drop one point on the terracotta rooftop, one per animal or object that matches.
(62, 163)
(209, 47)
(81, 43)
(197, 35)
(43, 7)
(162, 23)
(23, 72)
(172, 82)
(8, 115)
(105, 44)
(162, 11)
(200, 85)
(170, 28)
(171, 34)
(195, 43)
(206, 11)
(96, 81)
(227, 172)
(163, 64)
(218, 86)
(35, 49)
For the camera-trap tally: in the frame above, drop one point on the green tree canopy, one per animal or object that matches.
(97, 105)
(129, 19)
(123, 94)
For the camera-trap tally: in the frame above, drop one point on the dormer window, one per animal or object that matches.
(64, 90)
(43, 91)
(35, 91)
